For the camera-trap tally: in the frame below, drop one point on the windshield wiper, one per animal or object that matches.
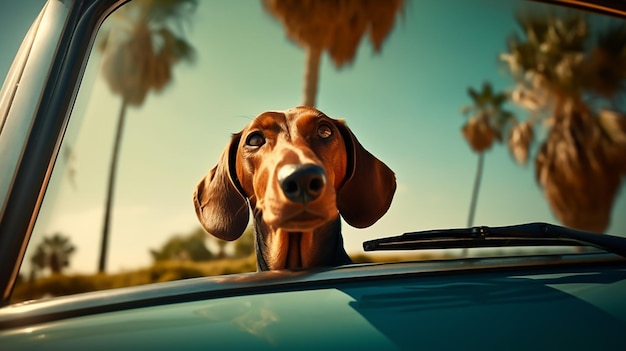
(531, 234)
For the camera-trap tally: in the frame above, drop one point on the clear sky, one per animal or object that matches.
(403, 104)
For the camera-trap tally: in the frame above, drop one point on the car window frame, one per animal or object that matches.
(58, 57)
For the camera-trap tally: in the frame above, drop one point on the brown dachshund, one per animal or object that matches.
(298, 170)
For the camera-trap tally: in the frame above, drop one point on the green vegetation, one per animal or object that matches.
(52, 253)
(336, 27)
(184, 248)
(486, 124)
(162, 271)
(569, 76)
(138, 56)
(182, 256)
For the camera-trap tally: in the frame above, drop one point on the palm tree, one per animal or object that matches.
(139, 54)
(54, 253)
(487, 123)
(572, 79)
(336, 26)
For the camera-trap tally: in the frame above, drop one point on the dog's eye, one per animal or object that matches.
(255, 139)
(324, 131)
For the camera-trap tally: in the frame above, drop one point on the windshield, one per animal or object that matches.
(498, 113)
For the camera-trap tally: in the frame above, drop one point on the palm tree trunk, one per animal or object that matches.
(311, 75)
(479, 173)
(477, 179)
(111, 187)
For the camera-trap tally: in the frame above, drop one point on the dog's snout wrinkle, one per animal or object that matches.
(302, 183)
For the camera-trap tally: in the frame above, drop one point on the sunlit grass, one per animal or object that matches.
(68, 284)
(61, 284)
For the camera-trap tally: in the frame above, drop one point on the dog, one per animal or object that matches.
(298, 170)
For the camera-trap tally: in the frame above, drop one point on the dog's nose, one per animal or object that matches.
(302, 183)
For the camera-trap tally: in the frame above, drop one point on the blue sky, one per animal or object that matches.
(403, 104)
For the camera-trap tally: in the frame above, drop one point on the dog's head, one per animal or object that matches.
(298, 168)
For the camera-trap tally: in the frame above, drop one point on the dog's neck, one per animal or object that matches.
(280, 249)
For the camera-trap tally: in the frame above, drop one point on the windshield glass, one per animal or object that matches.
(498, 113)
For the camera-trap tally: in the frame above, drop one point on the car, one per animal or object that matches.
(544, 269)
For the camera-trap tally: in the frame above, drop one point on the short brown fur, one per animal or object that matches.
(301, 230)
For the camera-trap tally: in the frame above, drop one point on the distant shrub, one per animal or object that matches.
(162, 271)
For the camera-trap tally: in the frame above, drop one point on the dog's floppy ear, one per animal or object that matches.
(368, 187)
(220, 206)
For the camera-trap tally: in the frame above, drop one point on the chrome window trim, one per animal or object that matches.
(33, 131)
(25, 85)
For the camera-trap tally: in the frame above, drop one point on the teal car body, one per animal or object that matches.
(512, 303)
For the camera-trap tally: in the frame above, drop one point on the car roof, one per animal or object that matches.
(284, 280)
(372, 305)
